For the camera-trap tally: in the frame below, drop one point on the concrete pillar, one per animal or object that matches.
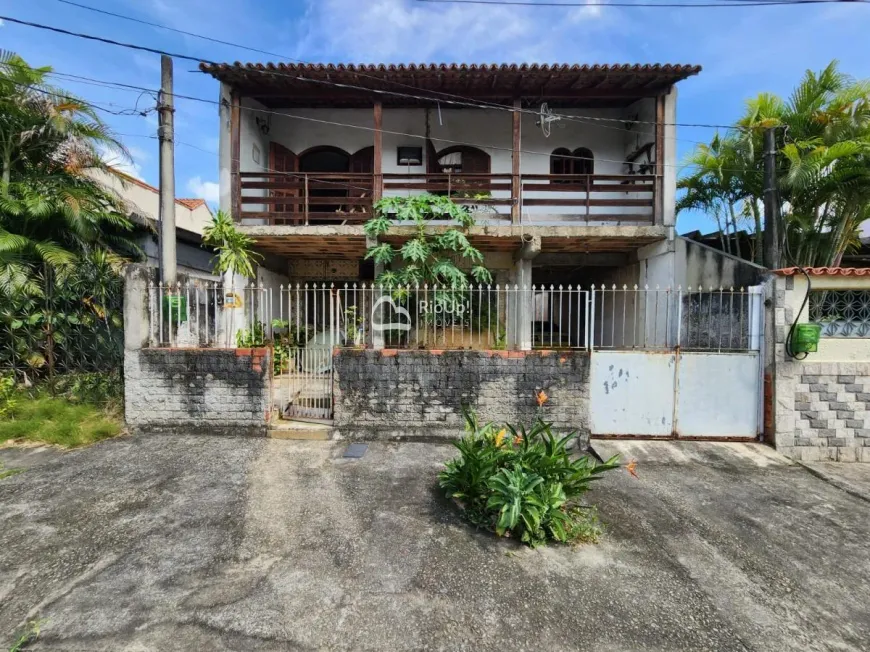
(224, 151)
(231, 319)
(520, 309)
(137, 307)
(377, 335)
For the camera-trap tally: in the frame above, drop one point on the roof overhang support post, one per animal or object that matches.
(377, 164)
(658, 203)
(235, 155)
(377, 293)
(516, 184)
(521, 297)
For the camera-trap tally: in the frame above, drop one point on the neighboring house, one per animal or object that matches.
(306, 149)
(191, 217)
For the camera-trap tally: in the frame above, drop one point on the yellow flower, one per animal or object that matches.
(518, 440)
(499, 438)
(631, 467)
(541, 397)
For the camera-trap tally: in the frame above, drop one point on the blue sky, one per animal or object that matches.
(743, 51)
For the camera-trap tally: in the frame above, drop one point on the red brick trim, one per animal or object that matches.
(492, 353)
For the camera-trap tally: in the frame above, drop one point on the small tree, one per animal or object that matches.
(234, 249)
(427, 258)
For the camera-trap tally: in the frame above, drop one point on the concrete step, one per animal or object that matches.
(289, 429)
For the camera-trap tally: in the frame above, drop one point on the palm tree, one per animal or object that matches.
(720, 184)
(823, 165)
(52, 212)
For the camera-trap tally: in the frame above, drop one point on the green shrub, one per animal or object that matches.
(523, 483)
(104, 390)
(7, 395)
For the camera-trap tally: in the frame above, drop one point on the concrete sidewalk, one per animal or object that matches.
(177, 543)
(851, 478)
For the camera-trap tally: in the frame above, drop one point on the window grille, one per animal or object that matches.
(841, 313)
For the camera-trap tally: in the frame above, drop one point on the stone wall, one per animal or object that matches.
(821, 403)
(212, 391)
(396, 394)
(829, 411)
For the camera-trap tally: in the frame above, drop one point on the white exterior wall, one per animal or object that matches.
(145, 201)
(489, 130)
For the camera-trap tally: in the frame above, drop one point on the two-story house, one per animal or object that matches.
(582, 157)
(570, 170)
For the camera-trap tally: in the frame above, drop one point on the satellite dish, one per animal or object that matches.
(546, 118)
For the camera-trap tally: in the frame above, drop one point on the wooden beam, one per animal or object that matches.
(581, 260)
(516, 185)
(658, 206)
(235, 155)
(377, 166)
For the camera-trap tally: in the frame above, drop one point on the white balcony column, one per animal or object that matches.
(520, 297)
(377, 316)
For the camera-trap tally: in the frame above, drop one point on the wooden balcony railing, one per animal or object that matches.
(301, 198)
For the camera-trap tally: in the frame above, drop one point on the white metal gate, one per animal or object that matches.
(305, 384)
(698, 376)
(675, 393)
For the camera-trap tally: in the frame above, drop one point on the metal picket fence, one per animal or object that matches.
(472, 317)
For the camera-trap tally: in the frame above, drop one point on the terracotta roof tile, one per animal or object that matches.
(399, 83)
(825, 271)
(190, 203)
(687, 69)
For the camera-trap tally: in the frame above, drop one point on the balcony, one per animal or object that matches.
(308, 198)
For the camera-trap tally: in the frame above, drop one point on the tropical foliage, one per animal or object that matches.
(523, 482)
(823, 169)
(235, 252)
(73, 323)
(426, 258)
(63, 234)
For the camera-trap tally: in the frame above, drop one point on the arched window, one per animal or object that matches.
(584, 161)
(561, 163)
(464, 159)
(564, 161)
(324, 158)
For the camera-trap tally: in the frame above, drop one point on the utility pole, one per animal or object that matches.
(166, 138)
(771, 202)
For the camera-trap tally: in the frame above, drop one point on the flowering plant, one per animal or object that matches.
(522, 481)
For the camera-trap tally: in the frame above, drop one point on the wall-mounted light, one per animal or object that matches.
(409, 156)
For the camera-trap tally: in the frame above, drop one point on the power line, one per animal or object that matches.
(580, 119)
(660, 5)
(133, 111)
(130, 111)
(120, 86)
(343, 85)
(466, 101)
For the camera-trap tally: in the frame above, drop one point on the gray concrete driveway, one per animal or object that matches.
(195, 543)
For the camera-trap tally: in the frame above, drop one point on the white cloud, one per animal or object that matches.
(403, 30)
(208, 190)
